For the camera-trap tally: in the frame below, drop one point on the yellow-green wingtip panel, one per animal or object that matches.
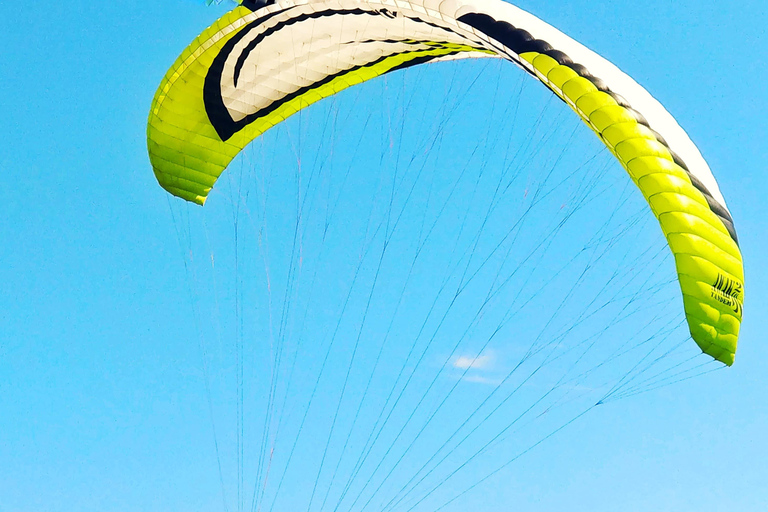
(186, 153)
(707, 258)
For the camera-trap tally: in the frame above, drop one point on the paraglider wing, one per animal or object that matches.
(255, 67)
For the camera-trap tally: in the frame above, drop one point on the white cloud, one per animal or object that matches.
(476, 363)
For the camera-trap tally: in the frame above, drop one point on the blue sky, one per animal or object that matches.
(102, 399)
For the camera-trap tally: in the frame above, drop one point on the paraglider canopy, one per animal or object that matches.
(261, 63)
